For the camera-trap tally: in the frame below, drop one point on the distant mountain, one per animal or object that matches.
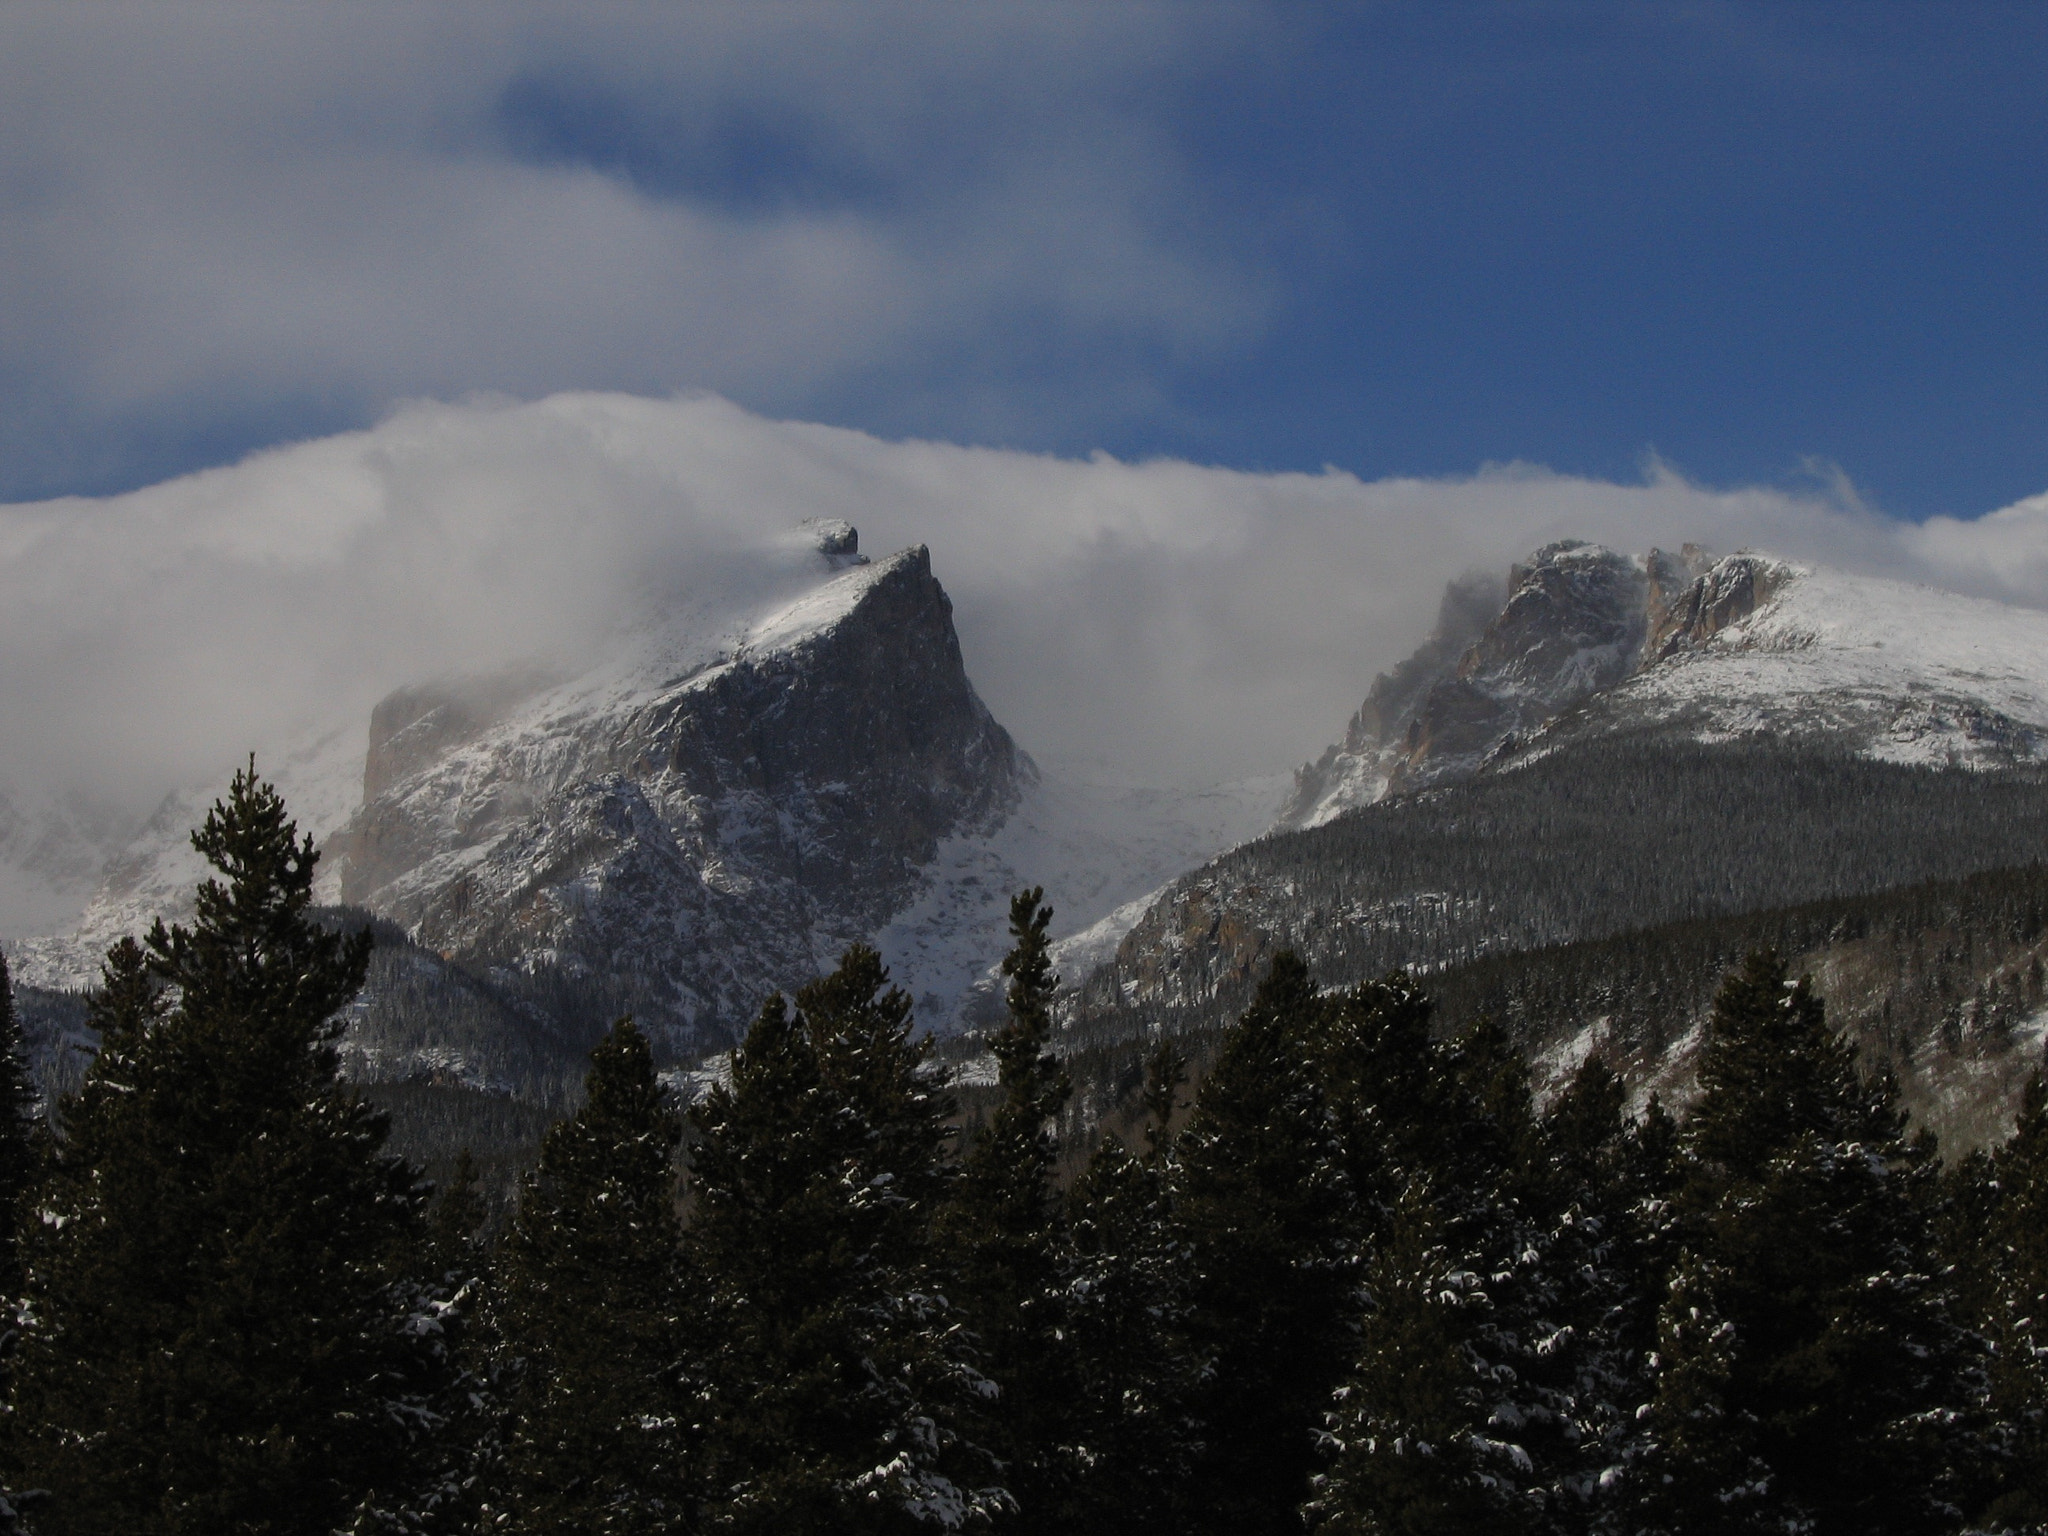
(1591, 748)
(734, 795)
(1621, 743)
(1589, 642)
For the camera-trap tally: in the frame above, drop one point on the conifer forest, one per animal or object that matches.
(1355, 1278)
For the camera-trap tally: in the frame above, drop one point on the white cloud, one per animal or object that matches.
(1186, 622)
(213, 211)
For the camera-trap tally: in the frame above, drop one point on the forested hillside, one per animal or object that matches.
(1941, 983)
(1613, 835)
(1360, 1279)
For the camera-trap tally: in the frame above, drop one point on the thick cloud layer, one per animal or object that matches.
(1173, 622)
(226, 219)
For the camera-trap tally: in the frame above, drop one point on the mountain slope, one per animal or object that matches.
(1589, 642)
(700, 838)
(741, 789)
(1624, 743)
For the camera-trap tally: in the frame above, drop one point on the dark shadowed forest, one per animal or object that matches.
(1355, 1281)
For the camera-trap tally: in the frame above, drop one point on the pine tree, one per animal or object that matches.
(464, 1465)
(1408, 1443)
(221, 1339)
(1808, 1325)
(1166, 1073)
(19, 1159)
(590, 1304)
(1443, 1425)
(17, 1148)
(1391, 1101)
(1266, 1211)
(1701, 1470)
(1598, 1209)
(1008, 1243)
(455, 1225)
(1127, 1315)
(838, 1390)
(2011, 1270)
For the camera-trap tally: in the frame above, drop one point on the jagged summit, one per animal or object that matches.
(834, 538)
(1588, 641)
(698, 836)
(741, 787)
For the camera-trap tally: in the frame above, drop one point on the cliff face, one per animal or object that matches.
(1625, 743)
(698, 839)
(1570, 621)
(1572, 625)
(1587, 641)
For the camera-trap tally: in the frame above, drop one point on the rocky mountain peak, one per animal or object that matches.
(834, 538)
(1716, 597)
(1573, 620)
(701, 838)
(1588, 642)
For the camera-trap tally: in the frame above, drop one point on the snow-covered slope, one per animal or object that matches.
(1100, 850)
(1589, 642)
(743, 787)
(1889, 669)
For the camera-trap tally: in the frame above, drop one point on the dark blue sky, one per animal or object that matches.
(1398, 239)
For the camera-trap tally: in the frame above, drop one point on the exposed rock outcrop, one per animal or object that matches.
(699, 840)
(1573, 621)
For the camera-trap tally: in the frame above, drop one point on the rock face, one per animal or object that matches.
(1357, 770)
(1573, 622)
(1625, 743)
(1589, 642)
(1693, 599)
(696, 840)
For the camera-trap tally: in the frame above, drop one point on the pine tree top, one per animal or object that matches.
(252, 951)
(1773, 1071)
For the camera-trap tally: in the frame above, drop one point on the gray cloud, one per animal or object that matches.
(1185, 623)
(214, 212)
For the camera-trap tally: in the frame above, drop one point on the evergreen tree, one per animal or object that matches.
(465, 1468)
(1409, 1445)
(1600, 1206)
(838, 1390)
(1008, 1243)
(19, 1159)
(2011, 1268)
(1266, 1210)
(17, 1144)
(590, 1304)
(1127, 1316)
(1508, 1308)
(1701, 1470)
(1444, 1424)
(1391, 1099)
(1810, 1375)
(1166, 1073)
(221, 1339)
(455, 1226)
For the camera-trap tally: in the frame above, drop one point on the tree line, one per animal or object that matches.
(1598, 839)
(1359, 1284)
(1941, 981)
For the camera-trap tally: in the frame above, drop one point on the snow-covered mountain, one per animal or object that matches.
(1589, 642)
(1619, 744)
(714, 811)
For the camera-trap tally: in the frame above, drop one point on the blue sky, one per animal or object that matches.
(1760, 242)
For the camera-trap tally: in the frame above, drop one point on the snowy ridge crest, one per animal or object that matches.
(1585, 641)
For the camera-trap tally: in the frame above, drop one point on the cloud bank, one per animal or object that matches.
(1162, 620)
(234, 220)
